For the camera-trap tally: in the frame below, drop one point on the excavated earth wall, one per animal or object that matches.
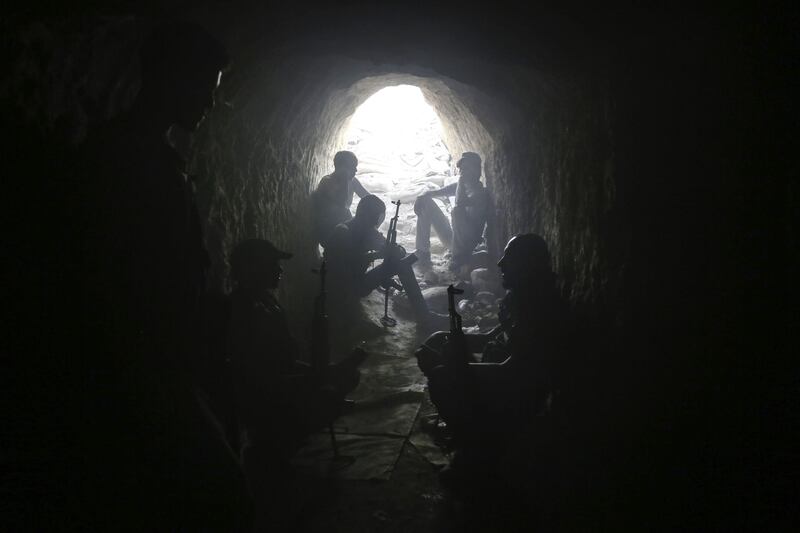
(645, 144)
(546, 138)
(261, 152)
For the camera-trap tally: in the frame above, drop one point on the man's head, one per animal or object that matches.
(345, 163)
(181, 68)
(255, 264)
(371, 211)
(469, 166)
(525, 259)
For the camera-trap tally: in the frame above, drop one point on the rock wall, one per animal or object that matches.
(262, 150)
(282, 110)
(546, 150)
(645, 145)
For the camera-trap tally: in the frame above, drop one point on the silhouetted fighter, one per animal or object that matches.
(334, 194)
(468, 216)
(354, 245)
(279, 398)
(486, 403)
(155, 458)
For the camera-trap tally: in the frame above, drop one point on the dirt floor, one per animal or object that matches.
(386, 475)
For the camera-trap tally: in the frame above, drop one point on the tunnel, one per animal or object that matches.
(316, 95)
(315, 115)
(647, 146)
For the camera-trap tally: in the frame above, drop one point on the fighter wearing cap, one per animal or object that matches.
(523, 377)
(352, 247)
(468, 216)
(278, 399)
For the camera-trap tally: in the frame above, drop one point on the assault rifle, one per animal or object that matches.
(455, 318)
(454, 350)
(320, 343)
(391, 241)
(455, 338)
(320, 338)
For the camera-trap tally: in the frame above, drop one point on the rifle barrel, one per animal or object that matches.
(455, 318)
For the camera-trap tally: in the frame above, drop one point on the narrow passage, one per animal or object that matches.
(386, 479)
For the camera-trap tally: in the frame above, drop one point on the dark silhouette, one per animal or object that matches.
(391, 241)
(280, 399)
(489, 405)
(468, 216)
(334, 194)
(355, 244)
(154, 455)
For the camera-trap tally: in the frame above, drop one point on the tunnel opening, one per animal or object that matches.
(408, 127)
(459, 117)
(398, 139)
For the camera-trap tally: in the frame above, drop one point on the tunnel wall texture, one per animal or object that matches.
(261, 153)
(280, 116)
(646, 146)
(284, 127)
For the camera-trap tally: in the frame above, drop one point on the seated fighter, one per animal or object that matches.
(468, 216)
(279, 400)
(354, 245)
(519, 376)
(330, 202)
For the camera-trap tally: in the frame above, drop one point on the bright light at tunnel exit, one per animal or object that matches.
(395, 115)
(397, 137)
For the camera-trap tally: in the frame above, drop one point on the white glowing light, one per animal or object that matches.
(395, 116)
(397, 137)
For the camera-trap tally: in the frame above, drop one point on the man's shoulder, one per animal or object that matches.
(325, 182)
(340, 237)
(121, 146)
(252, 304)
(341, 231)
(481, 197)
(326, 189)
(108, 143)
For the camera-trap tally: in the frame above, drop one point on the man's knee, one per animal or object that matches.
(445, 391)
(429, 355)
(461, 221)
(436, 340)
(440, 384)
(405, 272)
(423, 205)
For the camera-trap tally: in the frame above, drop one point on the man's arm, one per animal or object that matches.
(358, 188)
(477, 341)
(338, 248)
(346, 263)
(478, 211)
(479, 201)
(377, 241)
(447, 190)
(429, 354)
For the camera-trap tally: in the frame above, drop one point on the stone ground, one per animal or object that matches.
(388, 477)
(392, 482)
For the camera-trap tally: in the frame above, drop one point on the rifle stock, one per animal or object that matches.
(320, 334)
(455, 318)
(321, 344)
(456, 354)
